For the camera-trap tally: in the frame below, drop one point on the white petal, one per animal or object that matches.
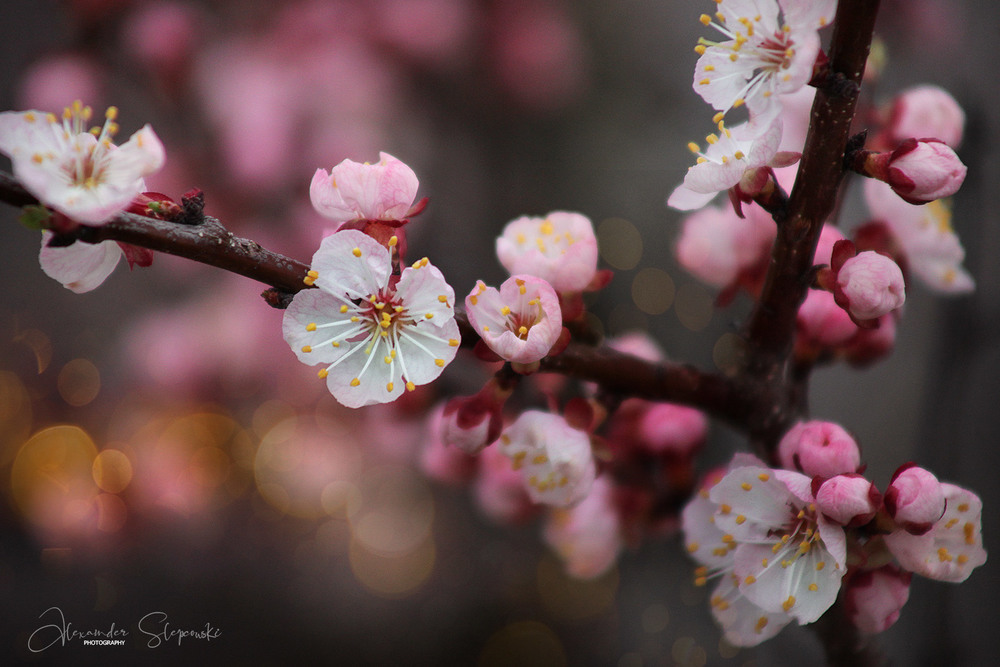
(80, 267)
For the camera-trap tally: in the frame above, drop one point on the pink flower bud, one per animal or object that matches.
(914, 499)
(716, 245)
(588, 536)
(850, 500)
(874, 598)
(869, 286)
(672, 429)
(919, 171)
(441, 462)
(820, 321)
(819, 449)
(927, 111)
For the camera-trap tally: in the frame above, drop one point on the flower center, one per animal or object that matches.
(84, 151)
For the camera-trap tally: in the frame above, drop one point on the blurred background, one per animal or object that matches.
(162, 450)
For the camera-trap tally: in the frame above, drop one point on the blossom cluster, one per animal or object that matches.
(784, 543)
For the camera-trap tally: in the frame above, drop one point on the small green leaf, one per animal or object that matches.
(35, 217)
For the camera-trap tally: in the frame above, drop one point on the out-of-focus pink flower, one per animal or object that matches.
(353, 191)
(54, 82)
(874, 598)
(675, 430)
(819, 449)
(500, 490)
(821, 322)
(919, 171)
(849, 500)
(406, 329)
(438, 460)
(555, 459)
(952, 547)
(588, 536)
(872, 344)
(163, 34)
(731, 155)
(69, 169)
(828, 237)
(869, 285)
(639, 344)
(926, 111)
(914, 499)
(520, 322)
(433, 31)
(760, 57)
(470, 423)
(717, 246)
(538, 54)
(932, 249)
(560, 248)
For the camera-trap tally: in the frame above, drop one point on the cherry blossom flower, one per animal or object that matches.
(952, 547)
(404, 330)
(674, 430)
(75, 171)
(520, 322)
(743, 623)
(470, 423)
(500, 491)
(587, 536)
(732, 155)
(352, 191)
(819, 448)
(555, 460)
(874, 598)
(440, 461)
(560, 248)
(931, 248)
(926, 111)
(718, 247)
(761, 55)
(788, 557)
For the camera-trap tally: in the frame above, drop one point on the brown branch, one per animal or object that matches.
(770, 330)
(209, 242)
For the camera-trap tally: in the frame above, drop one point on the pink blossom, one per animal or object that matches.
(926, 111)
(560, 248)
(405, 330)
(83, 176)
(671, 429)
(500, 490)
(352, 191)
(717, 246)
(520, 322)
(587, 536)
(821, 322)
(952, 547)
(828, 237)
(54, 82)
(849, 500)
(555, 460)
(787, 557)
(761, 56)
(819, 448)
(914, 499)
(731, 155)
(932, 250)
(869, 286)
(163, 34)
(874, 598)
(922, 171)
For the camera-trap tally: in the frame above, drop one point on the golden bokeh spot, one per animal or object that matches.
(396, 576)
(79, 382)
(53, 466)
(694, 306)
(685, 651)
(620, 243)
(653, 291)
(15, 415)
(729, 353)
(525, 644)
(112, 470)
(569, 598)
(655, 618)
